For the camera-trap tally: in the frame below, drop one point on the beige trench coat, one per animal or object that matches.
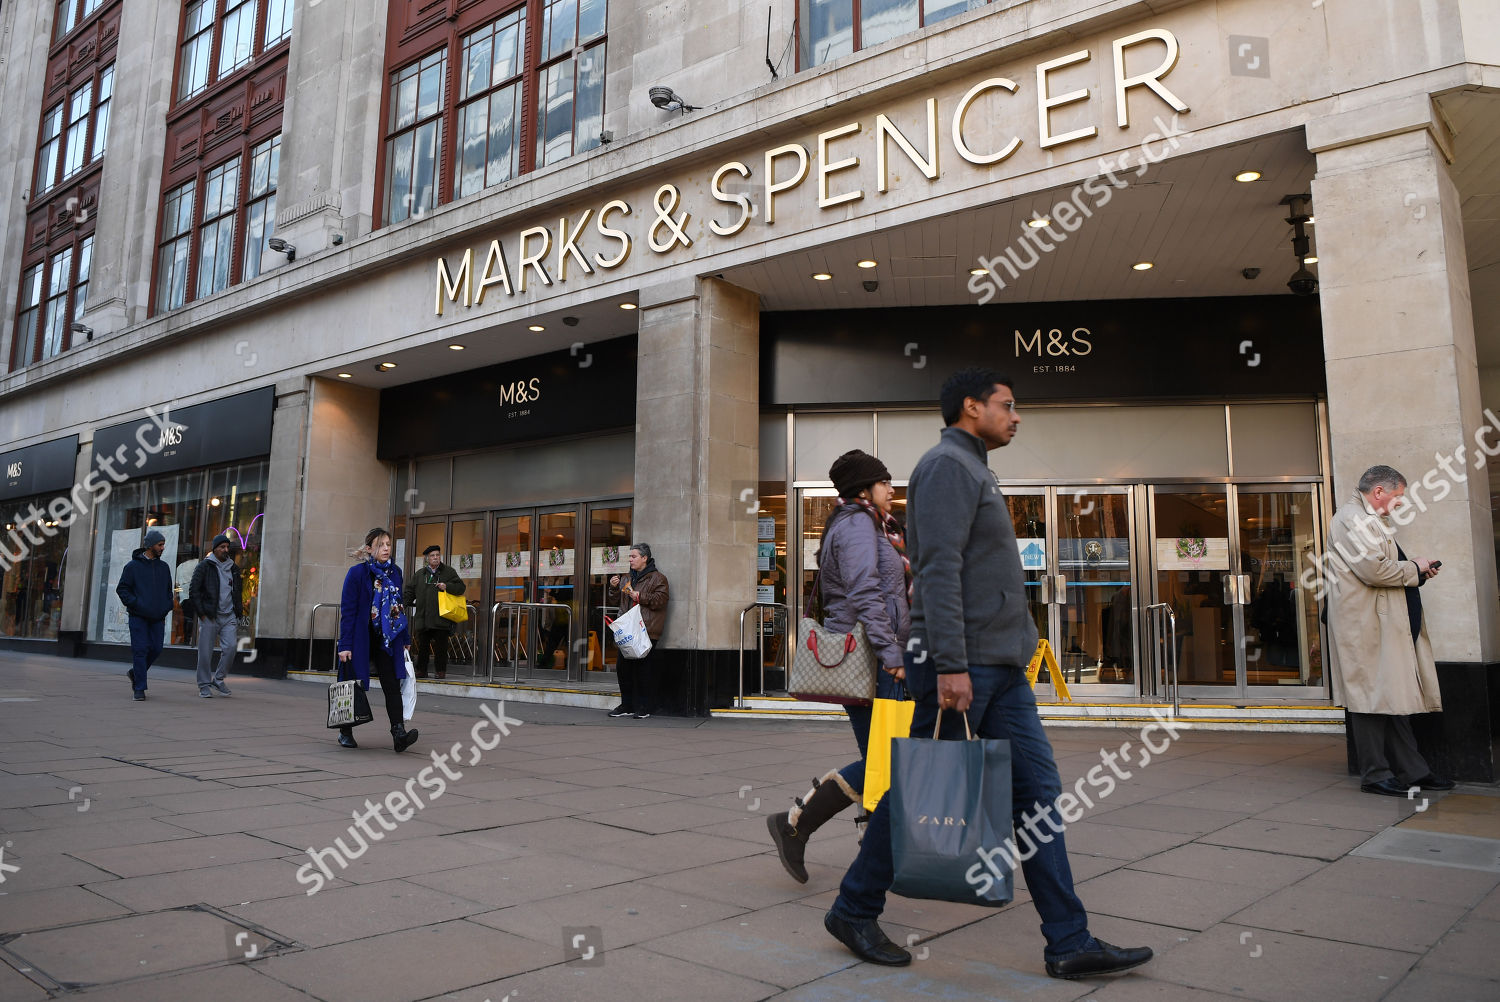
(1370, 645)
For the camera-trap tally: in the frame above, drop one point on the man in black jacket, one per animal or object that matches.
(214, 598)
(429, 629)
(973, 629)
(145, 589)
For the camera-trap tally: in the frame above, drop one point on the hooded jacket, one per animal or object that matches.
(145, 587)
(203, 592)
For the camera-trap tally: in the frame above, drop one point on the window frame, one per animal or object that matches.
(68, 136)
(574, 54)
(857, 31)
(42, 262)
(215, 73)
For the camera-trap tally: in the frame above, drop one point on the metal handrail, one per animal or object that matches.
(1159, 639)
(494, 611)
(739, 692)
(312, 634)
(513, 616)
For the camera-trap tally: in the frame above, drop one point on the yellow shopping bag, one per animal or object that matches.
(889, 718)
(452, 608)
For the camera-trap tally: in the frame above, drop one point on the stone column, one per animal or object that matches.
(276, 623)
(331, 130)
(697, 453)
(1403, 384)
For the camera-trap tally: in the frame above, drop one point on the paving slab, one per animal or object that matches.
(1161, 899)
(752, 882)
(16, 987)
(182, 854)
(432, 854)
(626, 913)
(1100, 838)
(1425, 986)
(940, 976)
(1162, 818)
(53, 907)
(677, 816)
(1314, 841)
(1409, 881)
(1245, 867)
(220, 886)
(632, 974)
(1435, 848)
(526, 879)
(1412, 926)
(1468, 950)
(234, 983)
(341, 914)
(671, 851)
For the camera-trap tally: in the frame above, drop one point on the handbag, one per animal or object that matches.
(630, 634)
(832, 667)
(348, 706)
(889, 719)
(950, 813)
(452, 607)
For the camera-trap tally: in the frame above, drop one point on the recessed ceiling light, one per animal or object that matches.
(456, 347)
(1246, 176)
(1143, 266)
(346, 375)
(866, 263)
(1310, 260)
(821, 276)
(1037, 222)
(536, 327)
(387, 365)
(977, 271)
(627, 306)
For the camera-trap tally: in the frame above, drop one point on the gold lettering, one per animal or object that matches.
(568, 244)
(743, 201)
(772, 185)
(1045, 104)
(962, 110)
(448, 286)
(605, 230)
(885, 130)
(535, 260)
(827, 167)
(1151, 79)
(495, 257)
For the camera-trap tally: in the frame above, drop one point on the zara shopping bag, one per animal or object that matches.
(950, 820)
(630, 634)
(348, 706)
(889, 719)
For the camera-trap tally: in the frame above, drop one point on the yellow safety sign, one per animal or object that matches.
(1044, 653)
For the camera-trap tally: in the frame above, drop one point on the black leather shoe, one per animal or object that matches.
(1103, 959)
(1432, 781)
(140, 694)
(1386, 788)
(346, 738)
(130, 674)
(867, 941)
(402, 737)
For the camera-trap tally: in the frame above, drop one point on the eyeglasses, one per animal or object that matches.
(1010, 405)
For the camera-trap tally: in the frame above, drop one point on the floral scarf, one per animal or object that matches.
(386, 609)
(892, 529)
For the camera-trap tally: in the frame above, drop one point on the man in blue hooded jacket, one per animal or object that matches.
(145, 589)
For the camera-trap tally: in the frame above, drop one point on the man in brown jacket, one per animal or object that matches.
(647, 588)
(1377, 639)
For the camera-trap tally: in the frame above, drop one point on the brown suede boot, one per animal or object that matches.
(790, 830)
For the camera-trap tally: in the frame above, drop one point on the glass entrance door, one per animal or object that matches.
(555, 614)
(1283, 652)
(1190, 533)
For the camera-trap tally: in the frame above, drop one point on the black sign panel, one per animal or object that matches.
(1249, 346)
(219, 431)
(38, 469)
(590, 388)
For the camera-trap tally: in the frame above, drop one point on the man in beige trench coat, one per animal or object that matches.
(1377, 638)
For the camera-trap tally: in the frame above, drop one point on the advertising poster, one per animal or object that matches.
(555, 563)
(513, 563)
(765, 556)
(1033, 554)
(1192, 553)
(122, 543)
(765, 528)
(467, 565)
(609, 560)
(170, 556)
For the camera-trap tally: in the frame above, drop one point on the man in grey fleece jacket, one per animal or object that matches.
(971, 637)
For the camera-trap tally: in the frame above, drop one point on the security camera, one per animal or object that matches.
(1251, 273)
(1303, 282)
(571, 321)
(870, 284)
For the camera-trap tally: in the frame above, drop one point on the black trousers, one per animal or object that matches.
(438, 641)
(383, 667)
(1385, 747)
(639, 680)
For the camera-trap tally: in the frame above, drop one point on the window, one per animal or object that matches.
(416, 125)
(219, 39)
(31, 310)
(260, 214)
(829, 29)
(216, 237)
(78, 124)
(49, 149)
(101, 111)
(176, 242)
(489, 120)
(570, 86)
(67, 18)
(55, 317)
(81, 284)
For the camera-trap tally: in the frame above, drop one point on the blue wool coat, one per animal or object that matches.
(354, 623)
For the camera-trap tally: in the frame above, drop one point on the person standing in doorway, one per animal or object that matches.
(216, 601)
(373, 632)
(145, 590)
(647, 587)
(1377, 638)
(429, 628)
(973, 634)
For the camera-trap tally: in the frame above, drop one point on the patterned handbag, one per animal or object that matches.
(348, 706)
(832, 667)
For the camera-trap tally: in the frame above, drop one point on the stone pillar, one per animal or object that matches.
(276, 624)
(1403, 385)
(697, 453)
(331, 130)
(78, 583)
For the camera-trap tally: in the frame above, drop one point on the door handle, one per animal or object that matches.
(1046, 589)
(1242, 584)
(1060, 588)
(1230, 588)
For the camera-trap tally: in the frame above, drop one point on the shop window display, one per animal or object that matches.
(32, 585)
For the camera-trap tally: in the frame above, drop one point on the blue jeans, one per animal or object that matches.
(886, 687)
(146, 637)
(1003, 707)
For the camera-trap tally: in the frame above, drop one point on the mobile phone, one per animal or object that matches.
(1435, 564)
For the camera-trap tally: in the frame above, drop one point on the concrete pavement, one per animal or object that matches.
(160, 851)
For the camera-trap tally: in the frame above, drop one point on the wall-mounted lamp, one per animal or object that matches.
(667, 100)
(87, 332)
(280, 246)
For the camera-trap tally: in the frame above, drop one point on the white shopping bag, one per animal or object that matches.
(409, 689)
(630, 634)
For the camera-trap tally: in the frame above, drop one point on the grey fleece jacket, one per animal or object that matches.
(864, 581)
(969, 605)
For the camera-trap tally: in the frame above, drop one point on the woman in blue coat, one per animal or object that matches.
(373, 633)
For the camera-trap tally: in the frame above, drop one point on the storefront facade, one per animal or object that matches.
(1104, 200)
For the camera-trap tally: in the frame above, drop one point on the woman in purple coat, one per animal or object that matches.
(373, 633)
(864, 578)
